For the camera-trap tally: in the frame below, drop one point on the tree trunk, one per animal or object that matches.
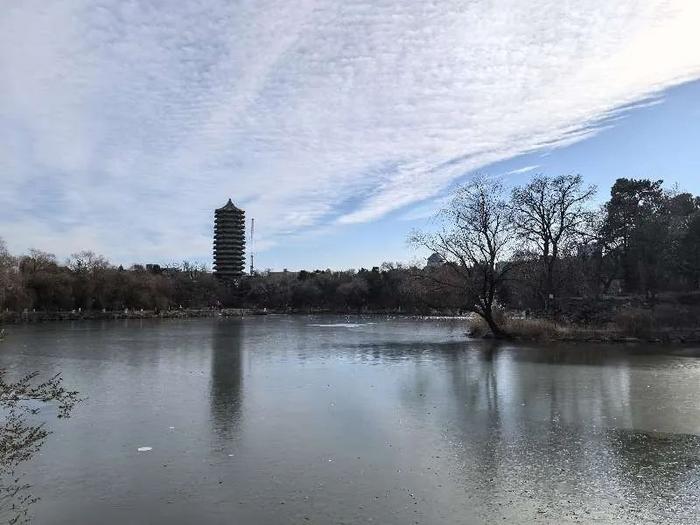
(497, 331)
(549, 295)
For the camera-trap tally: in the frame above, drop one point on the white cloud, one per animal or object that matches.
(524, 169)
(128, 121)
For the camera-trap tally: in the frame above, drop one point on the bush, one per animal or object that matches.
(478, 327)
(636, 322)
(689, 298)
(675, 316)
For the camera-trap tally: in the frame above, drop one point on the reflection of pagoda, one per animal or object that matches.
(226, 394)
(229, 241)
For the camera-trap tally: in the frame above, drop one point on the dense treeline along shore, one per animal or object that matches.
(538, 262)
(38, 316)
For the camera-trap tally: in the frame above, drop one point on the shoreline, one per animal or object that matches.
(190, 313)
(672, 337)
(59, 316)
(579, 335)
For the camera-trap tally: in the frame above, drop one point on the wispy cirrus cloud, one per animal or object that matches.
(524, 169)
(126, 122)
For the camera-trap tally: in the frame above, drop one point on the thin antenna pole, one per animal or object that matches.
(252, 255)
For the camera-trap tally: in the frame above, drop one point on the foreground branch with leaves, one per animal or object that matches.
(21, 436)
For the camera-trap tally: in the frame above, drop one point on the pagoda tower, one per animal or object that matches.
(229, 241)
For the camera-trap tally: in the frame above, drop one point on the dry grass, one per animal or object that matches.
(635, 322)
(537, 329)
(664, 322)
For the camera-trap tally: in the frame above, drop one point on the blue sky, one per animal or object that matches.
(655, 141)
(339, 126)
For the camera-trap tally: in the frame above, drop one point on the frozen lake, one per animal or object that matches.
(323, 419)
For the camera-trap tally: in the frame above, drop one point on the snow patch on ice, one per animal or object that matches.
(338, 325)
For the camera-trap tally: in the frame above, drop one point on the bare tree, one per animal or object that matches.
(87, 261)
(89, 270)
(192, 269)
(550, 215)
(9, 275)
(474, 240)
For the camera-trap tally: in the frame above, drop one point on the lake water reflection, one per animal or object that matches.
(281, 419)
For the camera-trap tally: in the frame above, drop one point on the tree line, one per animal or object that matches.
(88, 282)
(544, 241)
(528, 248)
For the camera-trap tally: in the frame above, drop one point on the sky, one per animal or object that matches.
(338, 125)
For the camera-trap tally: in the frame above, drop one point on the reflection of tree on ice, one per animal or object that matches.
(20, 439)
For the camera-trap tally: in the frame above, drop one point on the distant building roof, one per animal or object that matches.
(282, 274)
(436, 259)
(230, 206)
